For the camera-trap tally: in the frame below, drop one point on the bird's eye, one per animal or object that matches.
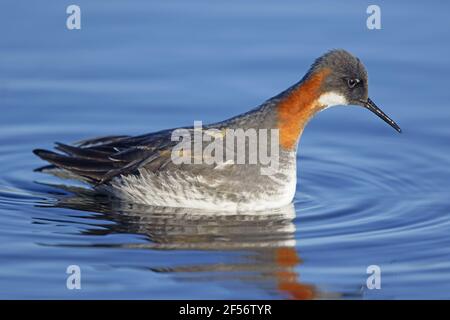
(352, 82)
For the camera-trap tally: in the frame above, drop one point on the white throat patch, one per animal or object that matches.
(330, 99)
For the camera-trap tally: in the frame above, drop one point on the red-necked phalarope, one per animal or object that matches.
(141, 168)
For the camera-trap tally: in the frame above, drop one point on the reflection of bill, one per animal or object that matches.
(265, 242)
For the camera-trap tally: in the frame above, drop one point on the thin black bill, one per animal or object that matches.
(369, 104)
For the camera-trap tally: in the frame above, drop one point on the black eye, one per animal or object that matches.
(352, 82)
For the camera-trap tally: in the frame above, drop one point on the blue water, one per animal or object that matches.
(365, 195)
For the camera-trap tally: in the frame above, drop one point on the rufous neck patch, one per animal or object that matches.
(298, 107)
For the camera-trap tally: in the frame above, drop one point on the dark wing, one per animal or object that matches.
(100, 159)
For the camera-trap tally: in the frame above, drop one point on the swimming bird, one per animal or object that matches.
(141, 169)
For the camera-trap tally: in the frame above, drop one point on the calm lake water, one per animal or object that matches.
(365, 195)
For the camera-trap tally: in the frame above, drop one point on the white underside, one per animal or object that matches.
(181, 189)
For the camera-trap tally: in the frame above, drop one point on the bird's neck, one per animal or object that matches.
(297, 106)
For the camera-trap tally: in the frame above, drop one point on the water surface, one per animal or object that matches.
(365, 195)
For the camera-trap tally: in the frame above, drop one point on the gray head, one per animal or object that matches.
(346, 82)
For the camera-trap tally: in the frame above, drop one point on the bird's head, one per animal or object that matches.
(345, 82)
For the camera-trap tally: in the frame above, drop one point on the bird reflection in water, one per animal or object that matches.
(266, 240)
